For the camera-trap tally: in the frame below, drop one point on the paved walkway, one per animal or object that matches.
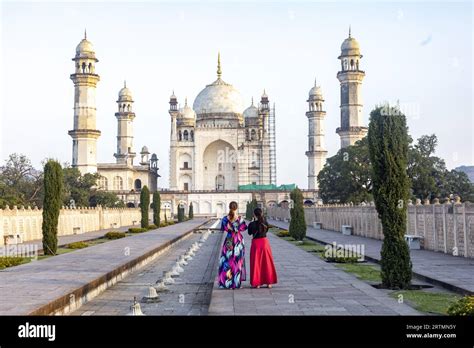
(64, 240)
(190, 295)
(26, 288)
(453, 272)
(306, 285)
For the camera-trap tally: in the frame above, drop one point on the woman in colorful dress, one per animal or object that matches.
(262, 268)
(232, 262)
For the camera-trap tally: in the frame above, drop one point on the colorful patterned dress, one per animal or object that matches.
(232, 262)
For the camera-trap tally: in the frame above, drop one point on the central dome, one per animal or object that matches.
(219, 97)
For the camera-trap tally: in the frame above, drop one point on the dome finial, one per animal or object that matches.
(349, 30)
(85, 34)
(315, 84)
(186, 102)
(124, 83)
(219, 71)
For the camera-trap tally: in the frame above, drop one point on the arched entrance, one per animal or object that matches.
(220, 171)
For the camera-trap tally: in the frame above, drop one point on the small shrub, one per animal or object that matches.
(163, 224)
(333, 255)
(171, 222)
(115, 235)
(137, 229)
(152, 227)
(77, 245)
(462, 307)
(10, 261)
(283, 233)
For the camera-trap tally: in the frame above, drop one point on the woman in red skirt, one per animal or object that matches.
(262, 268)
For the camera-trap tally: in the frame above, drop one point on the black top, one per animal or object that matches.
(257, 231)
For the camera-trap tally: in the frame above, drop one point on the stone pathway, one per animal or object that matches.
(26, 288)
(453, 272)
(306, 285)
(64, 240)
(190, 295)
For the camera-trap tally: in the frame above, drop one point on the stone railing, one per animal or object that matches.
(24, 224)
(447, 228)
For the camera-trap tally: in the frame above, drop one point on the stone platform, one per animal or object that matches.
(60, 284)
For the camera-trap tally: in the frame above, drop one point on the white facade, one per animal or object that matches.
(216, 144)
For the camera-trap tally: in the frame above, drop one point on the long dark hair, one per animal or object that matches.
(232, 208)
(262, 224)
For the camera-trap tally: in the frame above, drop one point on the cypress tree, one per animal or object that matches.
(247, 212)
(180, 214)
(144, 205)
(53, 191)
(388, 149)
(156, 208)
(191, 211)
(297, 227)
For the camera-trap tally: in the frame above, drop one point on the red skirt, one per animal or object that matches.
(262, 269)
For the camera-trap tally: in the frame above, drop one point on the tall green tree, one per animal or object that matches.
(191, 211)
(388, 149)
(20, 182)
(156, 208)
(297, 227)
(105, 199)
(53, 189)
(80, 188)
(144, 206)
(346, 176)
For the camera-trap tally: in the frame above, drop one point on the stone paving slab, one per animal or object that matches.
(455, 273)
(32, 288)
(306, 285)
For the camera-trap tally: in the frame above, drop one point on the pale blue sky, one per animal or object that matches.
(417, 53)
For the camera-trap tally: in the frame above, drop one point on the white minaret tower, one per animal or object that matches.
(316, 146)
(350, 77)
(84, 135)
(125, 116)
(173, 111)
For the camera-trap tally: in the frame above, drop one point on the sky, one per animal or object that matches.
(419, 54)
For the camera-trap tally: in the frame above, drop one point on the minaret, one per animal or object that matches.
(84, 135)
(316, 146)
(173, 111)
(125, 116)
(350, 77)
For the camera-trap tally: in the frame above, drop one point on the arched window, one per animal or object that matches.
(357, 64)
(128, 107)
(118, 183)
(185, 135)
(352, 64)
(192, 135)
(83, 67)
(103, 183)
(253, 135)
(90, 67)
(247, 135)
(138, 185)
(180, 136)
